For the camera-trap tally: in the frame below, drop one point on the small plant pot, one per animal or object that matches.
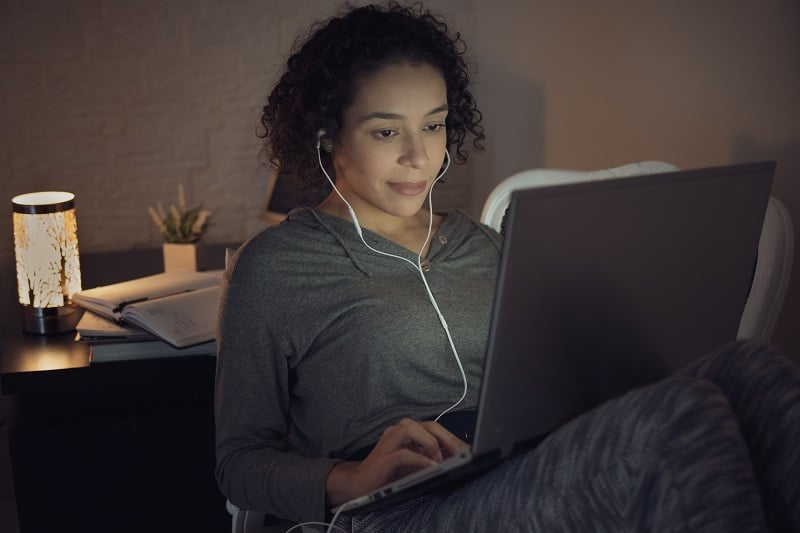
(181, 256)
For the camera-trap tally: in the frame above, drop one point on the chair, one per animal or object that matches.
(775, 248)
(244, 521)
(771, 277)
(494, 209)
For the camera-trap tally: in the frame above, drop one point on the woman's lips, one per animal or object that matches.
(409, 188)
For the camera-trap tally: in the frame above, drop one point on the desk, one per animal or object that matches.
(125, 446)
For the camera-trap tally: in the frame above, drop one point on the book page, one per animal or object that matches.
(93, 326)
(108, 300)
(181, 319)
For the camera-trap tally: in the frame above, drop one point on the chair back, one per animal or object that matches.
(771, 276)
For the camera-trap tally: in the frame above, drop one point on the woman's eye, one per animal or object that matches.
(384, 134)
(435, 127)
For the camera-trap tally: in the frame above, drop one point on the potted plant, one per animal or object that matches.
(182, 229)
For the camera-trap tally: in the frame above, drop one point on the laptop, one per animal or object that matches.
(603, 287)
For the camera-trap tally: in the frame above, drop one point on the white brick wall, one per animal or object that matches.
(120, 101)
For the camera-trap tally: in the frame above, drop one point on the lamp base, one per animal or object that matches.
(50, 320)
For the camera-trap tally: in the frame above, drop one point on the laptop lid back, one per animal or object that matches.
(609, 285)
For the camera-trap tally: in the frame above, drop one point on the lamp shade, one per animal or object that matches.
(47, 259)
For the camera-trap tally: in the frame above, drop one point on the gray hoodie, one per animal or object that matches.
(323, 343)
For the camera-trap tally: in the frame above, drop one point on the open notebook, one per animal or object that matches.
(179, 307)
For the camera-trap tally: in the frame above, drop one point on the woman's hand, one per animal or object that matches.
(403, 448)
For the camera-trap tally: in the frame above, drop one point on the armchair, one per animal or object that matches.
(244, 521)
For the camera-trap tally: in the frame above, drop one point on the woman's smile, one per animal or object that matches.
(409, 188)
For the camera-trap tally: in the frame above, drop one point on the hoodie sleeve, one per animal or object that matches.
(255, 470)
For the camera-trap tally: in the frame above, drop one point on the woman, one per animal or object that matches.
(346, 325)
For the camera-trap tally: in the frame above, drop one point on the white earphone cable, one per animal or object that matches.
(417, 266)
(419, 269)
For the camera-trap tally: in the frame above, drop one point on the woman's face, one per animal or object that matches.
(391, 145)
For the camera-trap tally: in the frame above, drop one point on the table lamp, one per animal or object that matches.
(48, 265)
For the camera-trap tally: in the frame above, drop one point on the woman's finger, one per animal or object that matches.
(411, 435)
(447, 441)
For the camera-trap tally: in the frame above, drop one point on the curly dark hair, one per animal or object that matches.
(320, 81)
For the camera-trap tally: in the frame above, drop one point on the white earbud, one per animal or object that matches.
(325, 144)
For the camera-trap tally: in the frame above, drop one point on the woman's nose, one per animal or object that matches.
(414, 153)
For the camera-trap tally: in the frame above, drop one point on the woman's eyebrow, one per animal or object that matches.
(396, 116)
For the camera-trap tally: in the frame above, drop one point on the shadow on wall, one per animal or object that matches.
(785, 187)
(513, 120)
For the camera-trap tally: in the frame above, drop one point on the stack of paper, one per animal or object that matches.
(111, 341)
